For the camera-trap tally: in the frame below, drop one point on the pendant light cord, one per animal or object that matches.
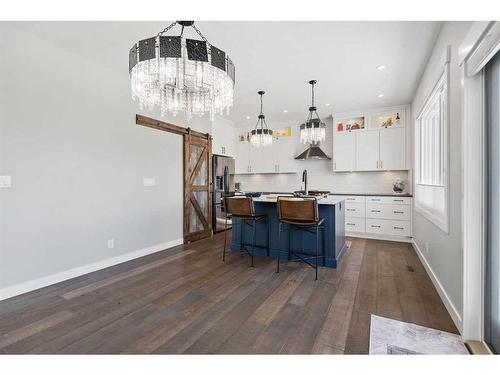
(312, 94)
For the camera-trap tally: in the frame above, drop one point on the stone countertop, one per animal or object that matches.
(359, 194)
(377, 194)
(325, 200)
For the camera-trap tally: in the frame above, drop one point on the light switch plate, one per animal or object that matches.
(149, 181)
(5, 182)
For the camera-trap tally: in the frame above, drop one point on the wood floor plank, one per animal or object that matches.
(186, 300)
(39, 326)
(139, 270)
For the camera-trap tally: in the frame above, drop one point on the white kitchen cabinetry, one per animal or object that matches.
(282, 155)
(371, 147)
(392, 149)
(383, 217)
(344, 152)
(223, 139)
(242, 158)
(276, 158)
(368, 150)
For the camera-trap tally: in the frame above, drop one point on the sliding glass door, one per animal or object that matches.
(492, 281)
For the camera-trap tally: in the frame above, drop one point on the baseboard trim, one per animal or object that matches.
(452, 310)
(383, 237)
(42, 282)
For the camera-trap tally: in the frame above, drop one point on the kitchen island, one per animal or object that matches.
(332, 237)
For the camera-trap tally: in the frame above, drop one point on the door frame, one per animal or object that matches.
(189, 136)
(474, 53)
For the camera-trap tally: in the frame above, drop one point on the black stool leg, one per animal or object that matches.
(253, 241)
(268, 235)
(279, 247)
(317, 250)
(225, 235)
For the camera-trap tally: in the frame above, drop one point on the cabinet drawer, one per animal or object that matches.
(351, 198)
(389, 200)
(390, 227)
(354, 224)
(388, 211)
(354, 209)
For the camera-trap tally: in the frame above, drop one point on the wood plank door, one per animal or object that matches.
(197, 187)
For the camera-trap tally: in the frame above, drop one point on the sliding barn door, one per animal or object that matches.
(197, 187)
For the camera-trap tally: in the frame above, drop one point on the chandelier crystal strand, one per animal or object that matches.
(261, 135)
(177, 75)
(313, 130)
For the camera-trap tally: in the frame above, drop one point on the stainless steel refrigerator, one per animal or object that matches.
(223, 178)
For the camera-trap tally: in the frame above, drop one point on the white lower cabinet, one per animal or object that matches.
(388, 227)
(384, 217)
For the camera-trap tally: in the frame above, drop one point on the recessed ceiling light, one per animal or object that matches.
(327, 104)
(248, 117)
(380, 95)
(381, 67)
(285, 111)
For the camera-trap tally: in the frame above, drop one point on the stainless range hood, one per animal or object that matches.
(313, 153)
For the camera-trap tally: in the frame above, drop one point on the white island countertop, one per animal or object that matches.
(271, 198)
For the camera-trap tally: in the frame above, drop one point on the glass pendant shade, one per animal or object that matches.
(176, 74)
(313, 130)
(261, 136)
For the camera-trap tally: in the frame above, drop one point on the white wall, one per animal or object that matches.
(68, 139)
(444, 257)
(320, 172)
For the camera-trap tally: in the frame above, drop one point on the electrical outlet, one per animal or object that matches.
(149, 181)
(111, 243)
(426, 247)
(5, 182)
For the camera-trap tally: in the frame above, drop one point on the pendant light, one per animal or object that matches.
(313, 130)
(177, 74)
(261, 136)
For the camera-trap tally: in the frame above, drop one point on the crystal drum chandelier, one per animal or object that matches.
(177, 74)
(313, 130)
(261, 136)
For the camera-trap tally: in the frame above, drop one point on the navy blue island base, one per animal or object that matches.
(332, 237)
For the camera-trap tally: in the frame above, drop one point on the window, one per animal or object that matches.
(431, 155)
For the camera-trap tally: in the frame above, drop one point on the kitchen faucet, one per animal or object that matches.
(304, 180)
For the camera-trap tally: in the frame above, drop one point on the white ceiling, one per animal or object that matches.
(281, 57)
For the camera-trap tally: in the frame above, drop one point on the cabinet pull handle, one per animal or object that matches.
(375, 226)
(401, 228)
(351, 209)
(381, 164)
(351, 199)
(351, 224)
(375, 210)
(398, 200)
(375, 200)
(398, 212)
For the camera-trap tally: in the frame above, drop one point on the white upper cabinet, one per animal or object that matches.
(281, 154)
(367, 150)
(373, 140)
(392, 149)
(242, 158)
(223, 138)
(344, 152)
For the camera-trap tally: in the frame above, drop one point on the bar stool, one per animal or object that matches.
(299, 214)
(243, 208)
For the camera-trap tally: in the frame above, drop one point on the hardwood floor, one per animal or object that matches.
(186, 300)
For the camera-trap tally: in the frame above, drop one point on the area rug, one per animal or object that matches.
(389, 336)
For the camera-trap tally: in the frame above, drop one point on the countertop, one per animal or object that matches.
(325, 200)
(358, 194)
